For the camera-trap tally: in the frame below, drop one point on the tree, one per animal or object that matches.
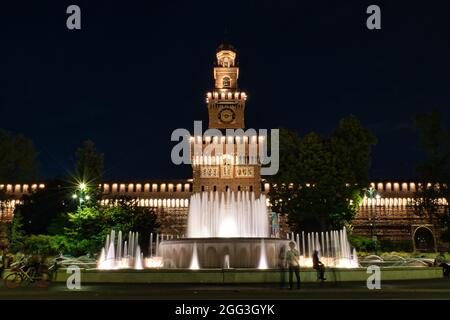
(17, 233)
(18, 158)
(434, 171)
(89, 165)
(18, 162)
(353, 143)
(40, 209)
(321, 179)
(93, 224)
(89, 171)
(46, 211)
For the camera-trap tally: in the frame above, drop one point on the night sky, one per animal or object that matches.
(138, 70)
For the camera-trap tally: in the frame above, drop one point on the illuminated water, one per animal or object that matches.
(227, 215)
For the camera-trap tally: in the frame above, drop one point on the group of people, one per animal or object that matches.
(291, 260)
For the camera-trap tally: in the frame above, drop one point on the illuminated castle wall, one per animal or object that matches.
(389, 217)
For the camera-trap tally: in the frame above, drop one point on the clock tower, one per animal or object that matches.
(231, 165)
(226, 104)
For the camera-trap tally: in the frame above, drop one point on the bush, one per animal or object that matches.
(39, 245)
(46, 245)
(364, 244)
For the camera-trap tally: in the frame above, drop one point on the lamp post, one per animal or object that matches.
(80, 194)
(372, 193)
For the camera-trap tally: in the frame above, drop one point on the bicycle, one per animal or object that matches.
(30, 275)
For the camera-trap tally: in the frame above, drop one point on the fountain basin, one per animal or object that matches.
(213, 252)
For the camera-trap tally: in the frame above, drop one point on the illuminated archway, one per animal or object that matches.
(424, 239)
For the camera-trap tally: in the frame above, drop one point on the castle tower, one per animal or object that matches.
(227, 168)
(226, 104)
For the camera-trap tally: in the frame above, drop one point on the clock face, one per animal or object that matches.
(226, 115)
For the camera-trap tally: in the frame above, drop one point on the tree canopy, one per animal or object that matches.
(321, 178)
(18, 158)
(89, 164)
(434, 171)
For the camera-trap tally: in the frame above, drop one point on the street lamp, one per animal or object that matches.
(80, 194)
(372, 193)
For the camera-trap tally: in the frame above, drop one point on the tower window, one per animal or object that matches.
(215, 188)
(227, 188)
(203, 188)
(226, 82)
(251, 188)
(239, 188)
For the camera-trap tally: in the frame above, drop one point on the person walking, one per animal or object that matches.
(282, 266)
(318, 265)
(292, 257)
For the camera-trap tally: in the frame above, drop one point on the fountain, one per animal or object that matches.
(333, 247)
(194, 261)
(262, 257)
(228, 225)
(121, 255)
(226, 230)
(227, 215)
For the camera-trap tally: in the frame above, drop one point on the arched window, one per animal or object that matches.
(226, 82)
(251, 188)
(239, 188)
(215, 188)
(203, 188)
(227, 188)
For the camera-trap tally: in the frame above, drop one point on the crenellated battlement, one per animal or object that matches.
(227, 96)
(20, 189)
(402, 191)
(171, 187)
(176, 193)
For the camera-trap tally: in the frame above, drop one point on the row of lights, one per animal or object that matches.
(230, 140)
(18, 188)
(228, 95)
(393, 202)
(153, 203)
(170, 187)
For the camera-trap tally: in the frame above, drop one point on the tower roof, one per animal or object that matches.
(226, 46)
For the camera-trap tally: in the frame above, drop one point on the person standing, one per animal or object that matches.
(292, 257)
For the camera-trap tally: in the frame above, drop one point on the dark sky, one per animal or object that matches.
(138, 70)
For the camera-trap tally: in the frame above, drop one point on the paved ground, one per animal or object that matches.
(418, 289)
